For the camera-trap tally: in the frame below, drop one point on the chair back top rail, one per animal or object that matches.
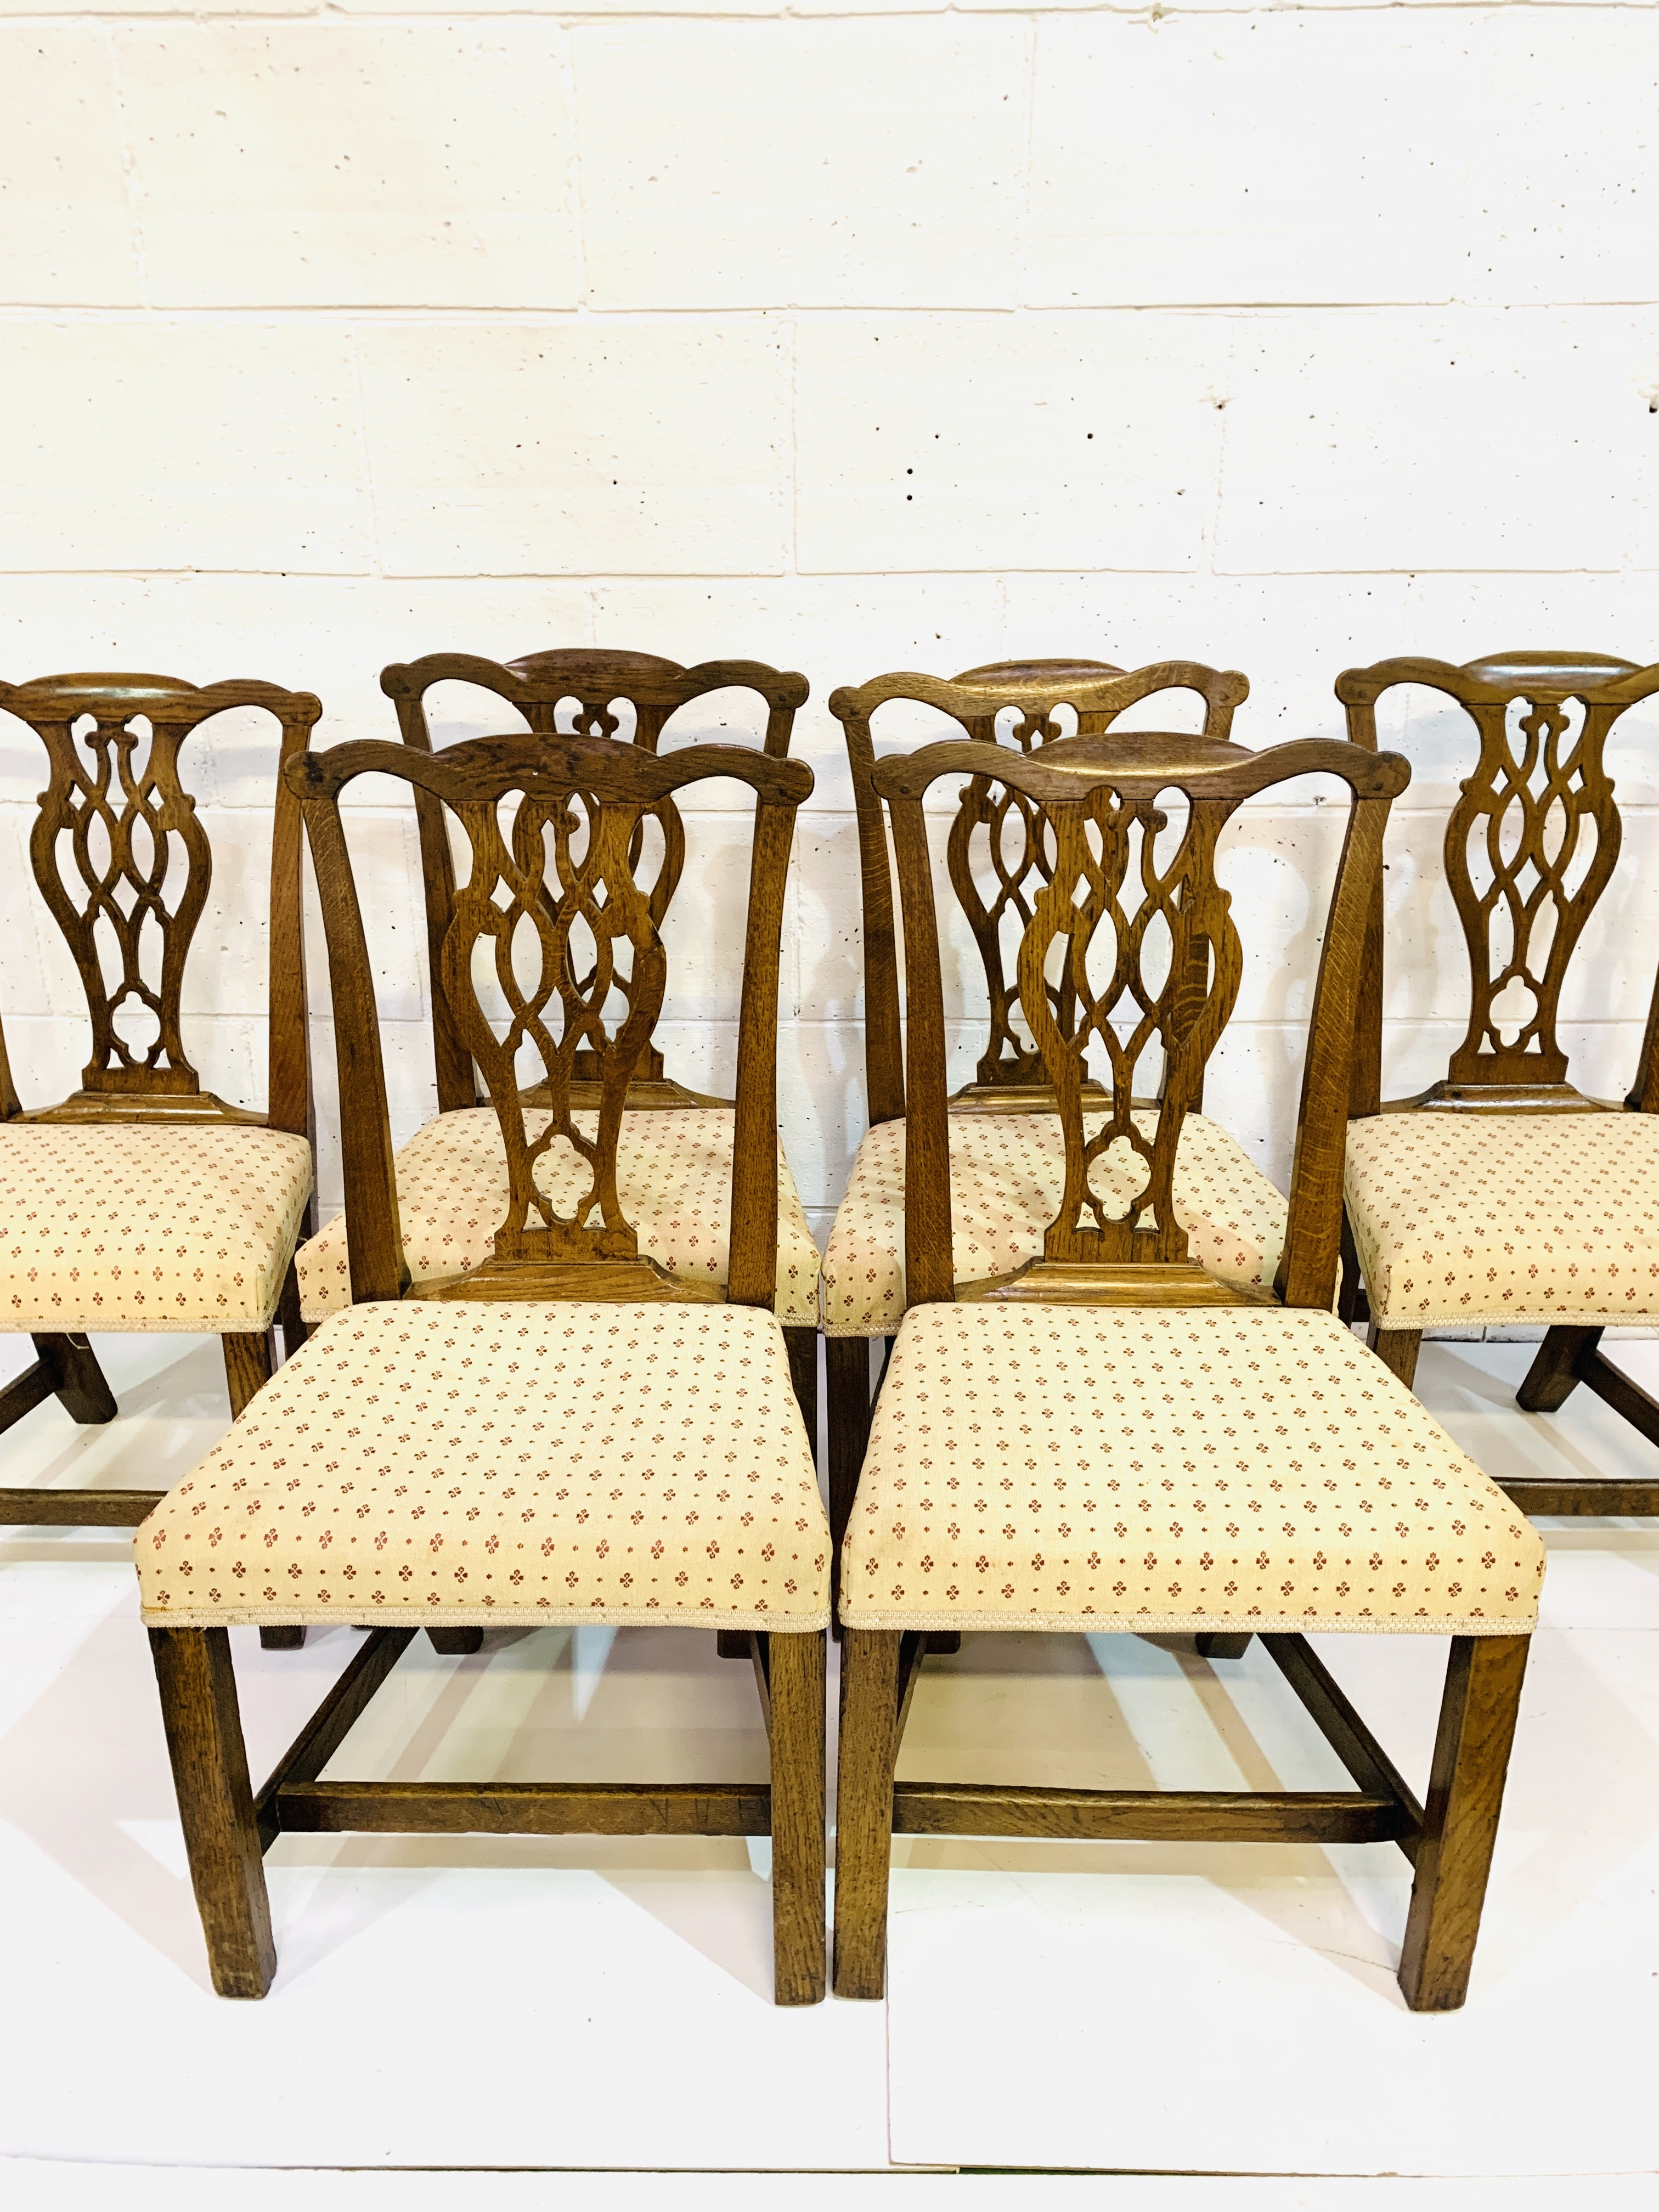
(1012, 704)
(590, 681)
(124, 865)
(1132, 901)
(551, 824)
(1530, 845)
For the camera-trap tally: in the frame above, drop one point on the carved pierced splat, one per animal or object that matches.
(1178, 911)
(124, 865)
(1530, 845)
(1146, 939)
(573, 693)
(999, 849)
(567, 866)
(549, 824)
(118, 815)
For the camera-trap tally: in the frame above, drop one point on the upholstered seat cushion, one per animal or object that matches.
(1461, 1217)
(1008, 1176)
(154, 1227)
(1063, 1467)
(503, 1463)
(673, 1176)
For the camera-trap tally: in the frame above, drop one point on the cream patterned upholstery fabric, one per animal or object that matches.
(1008, 1176)
(530, 1464)
(147, 1227)
(1506, 1217)
(673, 1175)
(1064, 1468)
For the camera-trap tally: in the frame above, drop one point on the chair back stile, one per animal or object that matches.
(568, 859)
(110, 785)
(1096, 804)
(1530, 845)
(1029, 694)
(581, 686)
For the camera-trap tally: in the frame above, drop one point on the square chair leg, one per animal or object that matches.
(864, 1807)
(215, 1804)
(1460, 1819)
(796, 1671)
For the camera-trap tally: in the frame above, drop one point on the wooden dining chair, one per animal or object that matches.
(142, 1202)
(1006, 1152)
(568, 1434)
(1113, 1437)
(1501, 1194)
(674, 1160)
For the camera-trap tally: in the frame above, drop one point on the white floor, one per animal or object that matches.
(1166, 2023)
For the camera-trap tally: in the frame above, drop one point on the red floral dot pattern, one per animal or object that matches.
(673, 1178)
(1506, 1217)
(1007, 1177)
(1061, 1467)
(125, 1226)
(506, 1463)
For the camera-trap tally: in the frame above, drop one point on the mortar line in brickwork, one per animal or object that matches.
(360, 429)
(422, 317)
(574, 168)
(129, 184)
(792, 465)
(1218, 485)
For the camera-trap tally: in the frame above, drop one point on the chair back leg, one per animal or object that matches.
(796, 1680)
(1554, 1375)
(249, 1363)
(1397, 1348)
(1460, 1819)
(803, 1348)
(72, 1368)
(215, 1803)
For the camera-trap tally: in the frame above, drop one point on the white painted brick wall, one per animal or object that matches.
(849, 337)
